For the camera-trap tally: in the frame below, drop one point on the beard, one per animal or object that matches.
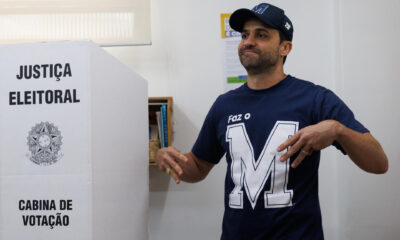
(264, 62)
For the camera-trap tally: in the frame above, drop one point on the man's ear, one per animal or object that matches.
(285, 48)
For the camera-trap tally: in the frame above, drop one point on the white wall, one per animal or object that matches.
(369, 204)
(348, 46)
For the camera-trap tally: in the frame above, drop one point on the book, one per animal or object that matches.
(164, 124)
(159, 124)
(153, 134)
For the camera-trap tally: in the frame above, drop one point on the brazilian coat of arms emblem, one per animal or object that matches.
(44, 142)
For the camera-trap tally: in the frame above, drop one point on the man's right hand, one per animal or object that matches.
(171, 161)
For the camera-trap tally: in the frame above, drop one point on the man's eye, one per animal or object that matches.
(262, 35)
(244, 36)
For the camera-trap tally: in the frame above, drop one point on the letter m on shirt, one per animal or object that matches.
(252, 175)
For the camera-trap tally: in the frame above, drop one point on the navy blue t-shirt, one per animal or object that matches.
(265, 198)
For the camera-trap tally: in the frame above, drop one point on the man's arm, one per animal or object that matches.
(186, 167)
(362, 148)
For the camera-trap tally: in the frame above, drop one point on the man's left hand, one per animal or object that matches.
(309, 139)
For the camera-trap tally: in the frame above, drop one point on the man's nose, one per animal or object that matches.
(249, 41)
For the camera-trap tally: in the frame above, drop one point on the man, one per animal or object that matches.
(272, 130)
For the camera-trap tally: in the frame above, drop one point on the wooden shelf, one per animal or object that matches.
(154, 106)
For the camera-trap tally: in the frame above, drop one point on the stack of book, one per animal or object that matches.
(158, 128)
(162, 125)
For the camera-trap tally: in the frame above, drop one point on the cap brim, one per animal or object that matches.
(240, 16)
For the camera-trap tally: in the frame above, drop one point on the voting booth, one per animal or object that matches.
(73, 144)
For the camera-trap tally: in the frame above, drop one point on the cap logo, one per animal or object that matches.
(260, 9)
(287, 26)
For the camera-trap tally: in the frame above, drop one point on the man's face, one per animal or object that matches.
(259, 48)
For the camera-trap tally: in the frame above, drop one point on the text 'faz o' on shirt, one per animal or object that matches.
(266, 198)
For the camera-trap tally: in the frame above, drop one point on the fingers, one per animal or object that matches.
(290, 141)
(178, 155)
(296, 144)
(292, 150)
(300, 157)
(173, 174)
(173, 164)
(171, 171)
(169, 160)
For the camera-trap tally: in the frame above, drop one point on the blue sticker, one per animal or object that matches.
(260, 9)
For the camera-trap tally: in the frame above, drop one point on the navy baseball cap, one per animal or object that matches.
(266, 13)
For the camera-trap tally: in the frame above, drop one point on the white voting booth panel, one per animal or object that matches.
(73, 144)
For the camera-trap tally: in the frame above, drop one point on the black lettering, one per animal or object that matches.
(58, 219)
(32, 220)
(52, 205)
(27, 97)
(28, 205)
(51, 71)
(49, 96)
(21, 205)
(67, 70)
(28, 71)
(21, 70)
(25, 219)
(69, 204)
(76, 100)
(57, 71)
(40, 93)
(44, 205)
(58, 96)
(66, 220)
(67, 96)
(19, 99)
(51, 221)
(45, 66)
(44, 221)
(34, 97)
(12, 98)
(63, 204)
(39, 217)
(36, 71)
(35, 205)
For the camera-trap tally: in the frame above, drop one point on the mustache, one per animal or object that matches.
(241, 51)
